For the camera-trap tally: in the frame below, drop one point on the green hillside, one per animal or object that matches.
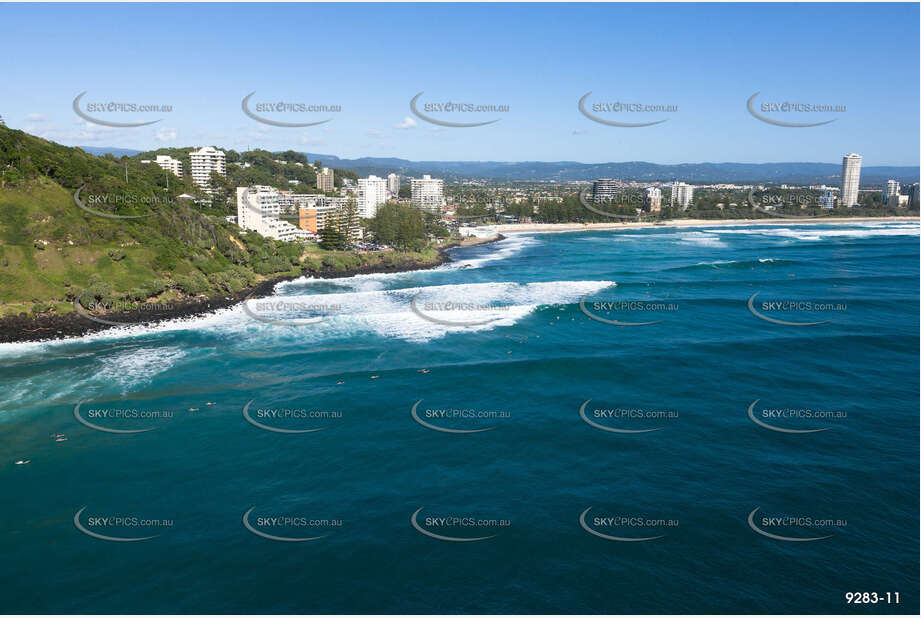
(51, 250)
(285, 170)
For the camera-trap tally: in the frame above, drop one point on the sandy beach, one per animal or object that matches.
(511, 228)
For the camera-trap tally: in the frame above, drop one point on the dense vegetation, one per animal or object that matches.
(405, 227)
(52, 250)
(286, 170)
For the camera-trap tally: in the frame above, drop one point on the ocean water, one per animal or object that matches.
(638, 421)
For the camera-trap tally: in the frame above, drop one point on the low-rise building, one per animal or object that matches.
(314, 211)
(168, 163)
(259, 208)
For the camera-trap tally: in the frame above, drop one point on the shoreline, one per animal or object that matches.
(54, 327)
(512, 228)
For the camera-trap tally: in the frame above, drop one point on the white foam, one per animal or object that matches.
(818, 232)
(703, 239)
(373, 281)
(384, 312)
(133, 367)
(378, 281)
(390, 313)
(502, 249)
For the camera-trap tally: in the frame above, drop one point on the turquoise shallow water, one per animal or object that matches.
(520, 368)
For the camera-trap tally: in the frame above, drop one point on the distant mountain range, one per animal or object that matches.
(115, 152)
(799, 173)
(793, 173)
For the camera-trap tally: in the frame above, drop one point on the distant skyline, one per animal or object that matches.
(539, 60)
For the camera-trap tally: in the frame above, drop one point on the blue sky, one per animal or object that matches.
(539, 59)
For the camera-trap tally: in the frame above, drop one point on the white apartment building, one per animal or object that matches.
(315, 212)
(891, 188)
(372, 191)
(682, 195)
(326, 180)
(604, 190)
(331, 210)
(169, 164)
(827, 199)
(428, 193)
(850, 179)
(337, 211)
(259, 208)
(205, 161)
(291, 204)
(654, 199)
(393, 185)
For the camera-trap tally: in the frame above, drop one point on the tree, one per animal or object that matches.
(331, 239)
(399, 225)
(434, 226)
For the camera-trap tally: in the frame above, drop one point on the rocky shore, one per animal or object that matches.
(28, 327)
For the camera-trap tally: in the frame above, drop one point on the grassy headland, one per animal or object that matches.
(53, 251)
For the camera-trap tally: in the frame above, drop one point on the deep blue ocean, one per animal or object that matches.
(680, 420)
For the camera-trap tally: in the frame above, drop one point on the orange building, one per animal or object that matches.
(307, 219)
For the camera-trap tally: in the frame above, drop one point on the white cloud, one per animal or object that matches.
(166, 135)
(85, 132)
(375, 133)
(408, 123)
(578, 131)
(312, 140)
(36, 117)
